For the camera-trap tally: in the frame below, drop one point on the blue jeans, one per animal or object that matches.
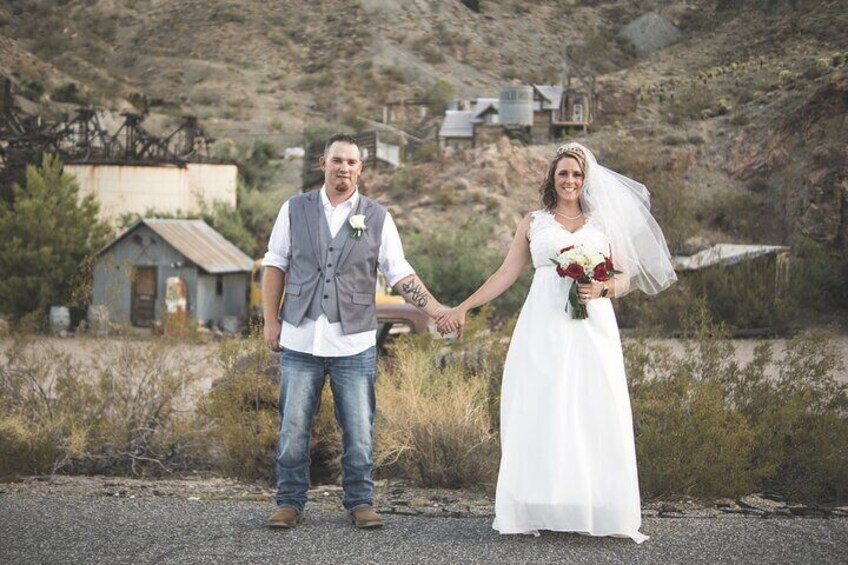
(352, 384)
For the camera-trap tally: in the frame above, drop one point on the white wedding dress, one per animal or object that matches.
(568, 459)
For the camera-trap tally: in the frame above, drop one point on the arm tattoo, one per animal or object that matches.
(415, 293)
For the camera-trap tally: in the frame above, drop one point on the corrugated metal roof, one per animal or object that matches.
(457, 123)
(483, 104)
(551, 94)
(724, 254)
(201, 244)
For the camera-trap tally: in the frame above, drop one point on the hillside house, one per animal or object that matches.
(468, 128)
(131, 273)
(556, 110)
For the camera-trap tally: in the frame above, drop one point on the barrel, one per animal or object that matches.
(60, 319)
(230, 325)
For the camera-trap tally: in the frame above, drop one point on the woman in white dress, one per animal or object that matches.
(568, 460)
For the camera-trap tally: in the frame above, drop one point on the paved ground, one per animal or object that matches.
(37, 527)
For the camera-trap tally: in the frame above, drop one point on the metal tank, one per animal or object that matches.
(516, 106)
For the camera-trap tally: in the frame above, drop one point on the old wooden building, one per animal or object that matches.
(531, 113)
(131, 273)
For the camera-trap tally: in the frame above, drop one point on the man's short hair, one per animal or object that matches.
(342, 138)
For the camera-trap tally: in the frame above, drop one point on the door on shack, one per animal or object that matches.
(143, 296)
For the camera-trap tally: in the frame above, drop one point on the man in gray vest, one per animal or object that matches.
(324, 251)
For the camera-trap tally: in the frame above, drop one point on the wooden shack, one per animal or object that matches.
(131, 273)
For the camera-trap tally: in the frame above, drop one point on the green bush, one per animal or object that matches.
(687, 441)
(256, 162)
(707, 426)
(817, 276)
(744, 295)
(453, 263)
(439, 95)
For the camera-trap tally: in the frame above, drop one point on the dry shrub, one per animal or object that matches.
(433, 422)
(692, 103)
(241, 410)
(706, 426)
(122, 411)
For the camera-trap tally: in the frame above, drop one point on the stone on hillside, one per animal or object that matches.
(757, 502)
(649, 32)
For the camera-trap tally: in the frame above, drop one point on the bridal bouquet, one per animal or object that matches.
(582, 266)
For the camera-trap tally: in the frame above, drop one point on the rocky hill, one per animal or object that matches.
(738, 126)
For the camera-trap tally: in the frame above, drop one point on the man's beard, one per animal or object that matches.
(343, 186)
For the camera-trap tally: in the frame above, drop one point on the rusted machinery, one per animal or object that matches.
(82, 139)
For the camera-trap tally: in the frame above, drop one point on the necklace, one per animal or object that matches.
(568, 217)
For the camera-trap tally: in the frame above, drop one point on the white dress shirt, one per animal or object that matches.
(321, 337)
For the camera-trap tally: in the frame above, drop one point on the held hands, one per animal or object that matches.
(451, 320)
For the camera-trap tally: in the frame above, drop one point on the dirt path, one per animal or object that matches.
(204, 356)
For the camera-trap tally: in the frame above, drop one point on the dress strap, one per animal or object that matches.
(538, 219)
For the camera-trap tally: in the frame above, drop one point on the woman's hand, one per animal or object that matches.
(451, 320)
(590, 290)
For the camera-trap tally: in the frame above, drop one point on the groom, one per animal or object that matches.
(324, 251)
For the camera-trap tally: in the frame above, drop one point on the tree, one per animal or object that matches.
(49, 234)
(439, 95)
(256, 162)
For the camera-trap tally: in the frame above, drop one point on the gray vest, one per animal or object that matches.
(336, 276)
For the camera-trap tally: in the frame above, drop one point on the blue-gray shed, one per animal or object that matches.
(131, 272)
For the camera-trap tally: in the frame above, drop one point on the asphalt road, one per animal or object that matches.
(72, 529)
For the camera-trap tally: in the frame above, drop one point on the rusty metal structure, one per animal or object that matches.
(81, 139)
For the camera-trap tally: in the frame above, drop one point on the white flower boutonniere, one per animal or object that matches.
(357, 222)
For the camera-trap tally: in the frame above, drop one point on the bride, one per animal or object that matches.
(568, 459)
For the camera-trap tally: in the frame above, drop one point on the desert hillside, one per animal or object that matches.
(739, 126)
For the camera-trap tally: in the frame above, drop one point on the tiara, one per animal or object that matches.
(576, 151)
(570, 148)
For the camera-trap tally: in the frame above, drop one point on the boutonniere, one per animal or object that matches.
(357, 222)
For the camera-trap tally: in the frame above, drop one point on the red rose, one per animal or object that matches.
(608, 261)
(560, 270)
(564, 249)
(574, 271)
(600, 273)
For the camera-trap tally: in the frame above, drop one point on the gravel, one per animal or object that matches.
(72, 528)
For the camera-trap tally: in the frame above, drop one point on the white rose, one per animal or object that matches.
(357, 222)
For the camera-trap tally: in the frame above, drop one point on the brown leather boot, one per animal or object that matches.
(285, 517)
(366, 517)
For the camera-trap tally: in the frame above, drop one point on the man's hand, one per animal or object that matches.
(272, 333)
(451, 320)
